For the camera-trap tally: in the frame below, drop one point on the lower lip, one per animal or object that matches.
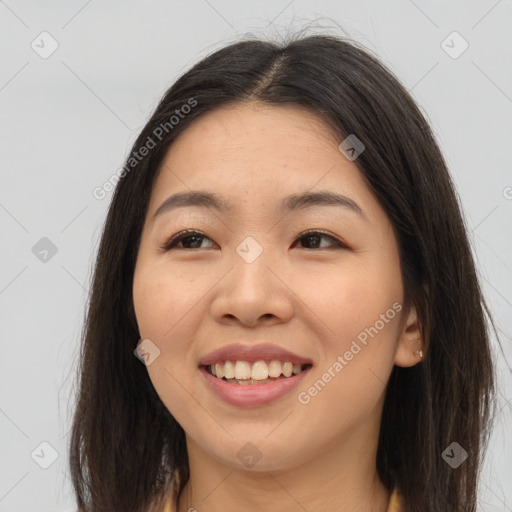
(252, 394)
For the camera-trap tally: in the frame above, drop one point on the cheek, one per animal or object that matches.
(359, 305)
(164, 310)
(357, 359)
(162, 297)
(350, 296)
(165, 317)
(150, 303)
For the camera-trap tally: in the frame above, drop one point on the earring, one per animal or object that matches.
(419, 353)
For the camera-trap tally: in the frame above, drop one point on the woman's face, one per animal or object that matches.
(252, 275)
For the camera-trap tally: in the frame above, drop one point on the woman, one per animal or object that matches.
(286, 258)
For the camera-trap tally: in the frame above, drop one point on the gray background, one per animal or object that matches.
(69, 120)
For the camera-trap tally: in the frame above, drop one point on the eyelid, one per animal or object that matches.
(176, 238)
(335, 239)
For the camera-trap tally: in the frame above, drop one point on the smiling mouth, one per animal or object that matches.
(259, 372)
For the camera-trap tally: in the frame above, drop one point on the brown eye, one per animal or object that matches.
(314, 238)
(189, 239)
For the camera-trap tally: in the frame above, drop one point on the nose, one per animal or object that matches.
(254, 293)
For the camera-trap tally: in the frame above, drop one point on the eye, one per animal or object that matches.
(188, 237)
(312, 237)
(191, 239)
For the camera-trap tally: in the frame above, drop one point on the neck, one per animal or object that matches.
(342, 478)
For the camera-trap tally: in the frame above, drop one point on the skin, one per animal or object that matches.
(314, 301)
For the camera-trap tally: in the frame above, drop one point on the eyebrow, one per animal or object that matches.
(293, 202)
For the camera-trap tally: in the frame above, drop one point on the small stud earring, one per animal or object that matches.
(419, 353)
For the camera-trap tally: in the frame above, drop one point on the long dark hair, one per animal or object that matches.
(127, 451)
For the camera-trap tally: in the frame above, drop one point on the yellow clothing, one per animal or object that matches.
(395, 503)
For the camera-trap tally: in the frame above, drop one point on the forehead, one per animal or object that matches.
(256, 121)
(255, 152)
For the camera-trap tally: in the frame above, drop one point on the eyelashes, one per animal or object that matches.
(179, 237)
(189, 235)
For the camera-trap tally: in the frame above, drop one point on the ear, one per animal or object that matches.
(411, 348)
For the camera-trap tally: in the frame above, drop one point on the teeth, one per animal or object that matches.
(274, 368)
(242, 370)
(229, 370)
(219, 370)
(287, 369)
(257, 371)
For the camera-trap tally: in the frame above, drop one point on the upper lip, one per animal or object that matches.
(252, 353)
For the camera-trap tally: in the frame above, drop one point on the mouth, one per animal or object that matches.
(254, 375)
(247, 373)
